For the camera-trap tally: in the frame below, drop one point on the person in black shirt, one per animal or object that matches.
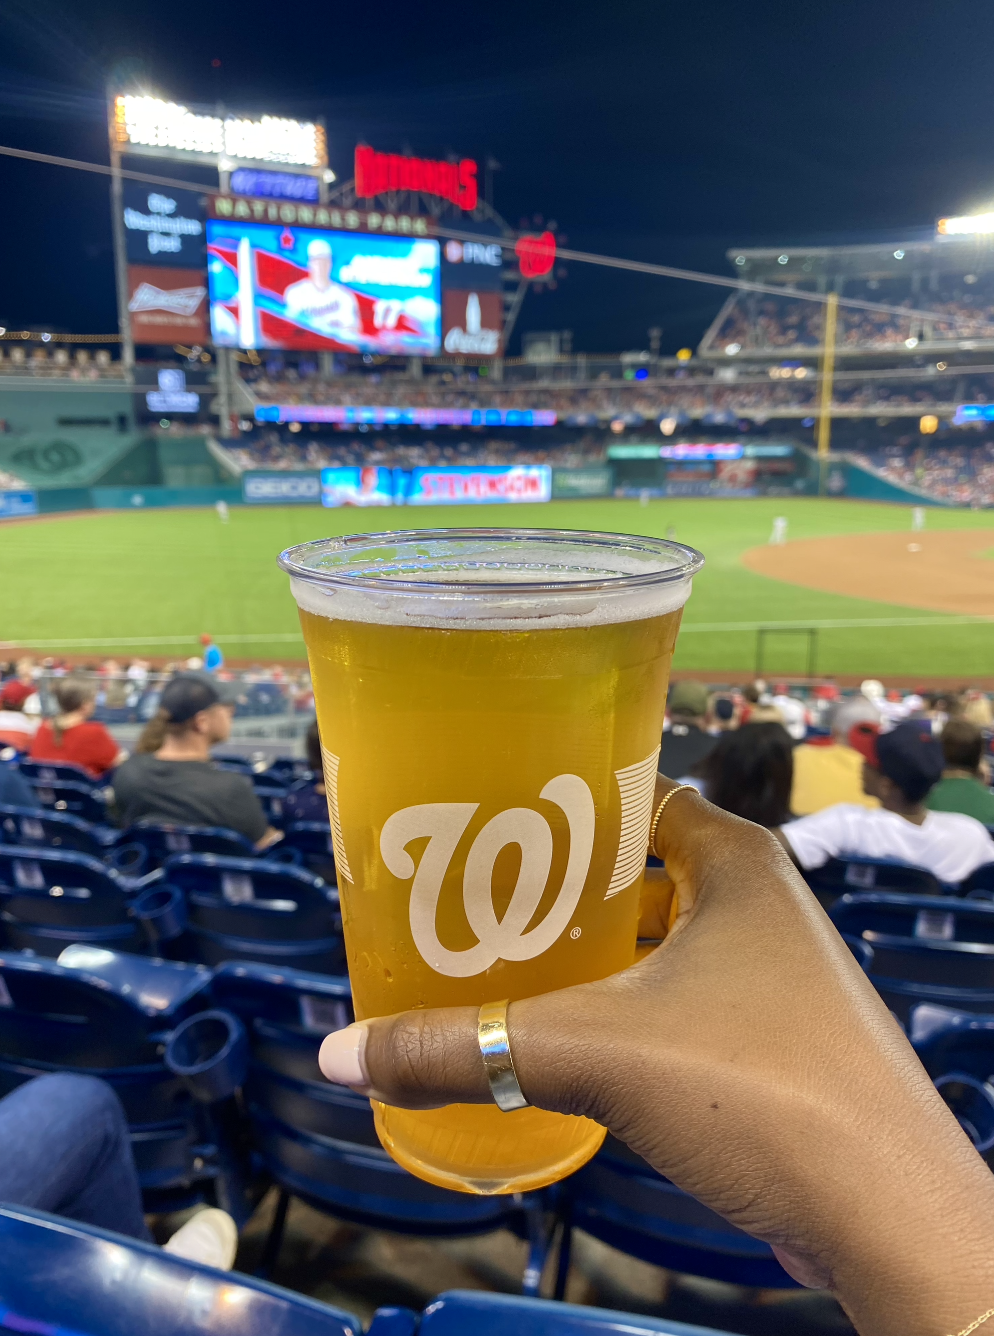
(685, 743)
(171, 778)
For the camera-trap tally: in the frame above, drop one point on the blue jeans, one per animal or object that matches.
(64, 1148)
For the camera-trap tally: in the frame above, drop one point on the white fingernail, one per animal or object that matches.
(342, 1058)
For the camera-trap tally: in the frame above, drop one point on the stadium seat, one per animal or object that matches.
(80, 800)
(957, 1051)
(271, 796)
(621, 1200)
(849, 875)
(55, 772)
(287, 770)
(159, 842)
(980, 882)
(318, 1139)
(109, 1014)
(54, 830)
(881, 917)
(461, 1312)
(57, 1276)
(917, 949)
(254, 909)
(238, 764)
(50, 898)
(307, 844)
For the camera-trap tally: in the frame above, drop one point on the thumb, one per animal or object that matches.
(426, 1059)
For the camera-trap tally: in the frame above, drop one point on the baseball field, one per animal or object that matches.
(883, 601)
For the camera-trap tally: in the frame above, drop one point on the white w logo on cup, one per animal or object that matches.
(507, 938)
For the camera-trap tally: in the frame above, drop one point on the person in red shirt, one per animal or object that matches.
(72, 736)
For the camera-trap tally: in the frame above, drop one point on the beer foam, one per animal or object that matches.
(493, 609)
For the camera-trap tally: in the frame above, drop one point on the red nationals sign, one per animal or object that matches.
(378, 173)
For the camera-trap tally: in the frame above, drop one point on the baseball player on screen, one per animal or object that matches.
(327, 308)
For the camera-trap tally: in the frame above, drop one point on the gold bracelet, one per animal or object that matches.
(659, 812)
(979, 1322)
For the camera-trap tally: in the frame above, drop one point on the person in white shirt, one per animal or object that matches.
(899, 768)
(326, 307)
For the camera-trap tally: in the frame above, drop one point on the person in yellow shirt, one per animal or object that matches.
(833, 773)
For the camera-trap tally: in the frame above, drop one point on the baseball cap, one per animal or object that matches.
(908, 755)
(318, 249)
(187, 694)
(15, 693)
(687, 698)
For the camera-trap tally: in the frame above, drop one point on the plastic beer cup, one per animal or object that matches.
(491, 707)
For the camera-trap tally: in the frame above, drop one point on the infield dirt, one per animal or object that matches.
(943, 570)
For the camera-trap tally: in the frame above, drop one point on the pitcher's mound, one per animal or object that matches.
(944, 571)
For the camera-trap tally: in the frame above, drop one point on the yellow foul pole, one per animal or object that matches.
(827, 374)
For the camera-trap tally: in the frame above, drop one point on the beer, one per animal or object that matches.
(490, 752)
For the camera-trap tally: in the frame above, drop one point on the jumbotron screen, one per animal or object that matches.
(304, 288)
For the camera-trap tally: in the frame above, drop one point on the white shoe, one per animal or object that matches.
(211, 1238)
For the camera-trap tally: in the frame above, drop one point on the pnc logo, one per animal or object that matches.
(508, 938)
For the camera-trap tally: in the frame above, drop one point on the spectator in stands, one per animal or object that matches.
(72, 736)
(724, 713)
(66, 1150)
(686, 742)
(15, 791)
(749, 1060)
(830, 773)
(749, 773)
(16, 728)
(962, 787)
(900, 768)
(172, 779)
(308, 801)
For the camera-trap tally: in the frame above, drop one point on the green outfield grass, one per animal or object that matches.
(157, 578)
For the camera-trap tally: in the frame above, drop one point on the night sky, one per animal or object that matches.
(654, 130)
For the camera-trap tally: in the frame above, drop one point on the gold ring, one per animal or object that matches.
(659, 812)
(496, 1050)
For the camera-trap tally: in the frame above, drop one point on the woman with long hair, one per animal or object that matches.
(72, 736)
(750, 772)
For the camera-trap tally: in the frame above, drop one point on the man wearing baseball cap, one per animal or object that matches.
(16, 728)
(686, 742)
(171, 778)
(899, 768)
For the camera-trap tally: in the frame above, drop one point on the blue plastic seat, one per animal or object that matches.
(980, 882)
(59, 1278)
(845, 876)
(161, 841)
(879, 918)
(619, 1198)
(254, 909)
(111, 1015)
(232, 761)
(287, 770)
(80, 800)
(318, 1139)
(916, 948)
(55, 772)
(957, 1051)
(307, 844)
(50, 898)
(477, 1313)
(271, 796)
(54, 830)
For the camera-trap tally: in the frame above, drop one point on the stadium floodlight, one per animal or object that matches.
(974, 224)
(150, 124)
